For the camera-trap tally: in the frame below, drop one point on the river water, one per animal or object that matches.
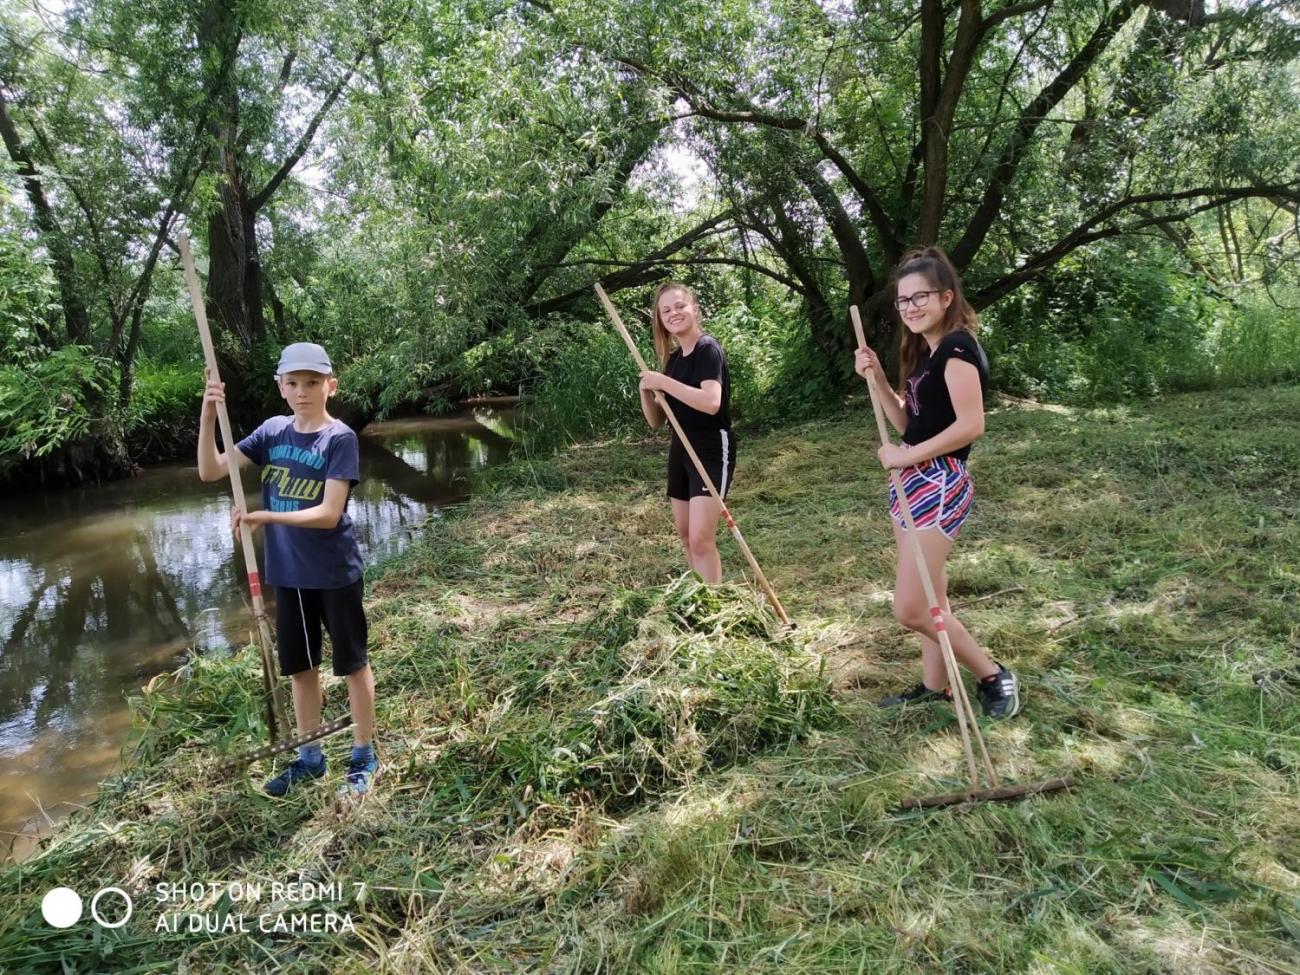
(102, 588)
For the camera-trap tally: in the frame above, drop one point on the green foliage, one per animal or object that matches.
(482, 165)
(27, 297)
(43, 402)
(168, 335)
(594, 763)
(162, 417)
(1255, 341)
(163, 393)
(700, 682)
(1113, 323)
(588, 389)
(588, 384)
(213, 696)
(1105, 326)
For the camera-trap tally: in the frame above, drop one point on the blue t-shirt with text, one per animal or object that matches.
(295, 467)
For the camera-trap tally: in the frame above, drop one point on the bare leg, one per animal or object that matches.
(912, 610)
(307, 700)
(704, 515)
(682, 520)
(361, 699)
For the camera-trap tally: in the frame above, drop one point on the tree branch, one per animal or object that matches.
(1085, 233)
(936, 126)
(259, 200)
(1013, 10)
(856, 262)
(92, 223)
(786, 246)
(286, 68)
(640, 140)
(633, 275)
(75, 315)
(982, 220)
(790, 283)
(788, 123)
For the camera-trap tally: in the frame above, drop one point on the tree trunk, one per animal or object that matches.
(234, 301)
(234, 276)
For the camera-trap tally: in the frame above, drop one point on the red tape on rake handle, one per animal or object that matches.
(937, 613)
(255, 584)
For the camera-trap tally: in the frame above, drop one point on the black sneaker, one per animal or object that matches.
(920, 694)
(999, 695)
(294, 772)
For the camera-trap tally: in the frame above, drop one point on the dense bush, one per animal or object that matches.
(43, 402)
(1113, 323)
(588, 384)
(27, 299)
(162, 418)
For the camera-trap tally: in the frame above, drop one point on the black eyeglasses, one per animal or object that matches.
(917, 299)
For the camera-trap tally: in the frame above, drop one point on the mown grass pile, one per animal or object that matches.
(596, 764)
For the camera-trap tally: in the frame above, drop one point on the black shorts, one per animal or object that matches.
(299, 615)
(716, 450)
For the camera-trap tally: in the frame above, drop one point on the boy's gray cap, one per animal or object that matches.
(304, 357)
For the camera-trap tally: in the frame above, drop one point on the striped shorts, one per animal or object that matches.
(940, 493)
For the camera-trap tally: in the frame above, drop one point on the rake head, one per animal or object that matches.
(288, 744)
(1001, 793)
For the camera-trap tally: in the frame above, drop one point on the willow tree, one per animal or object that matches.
(250, 84)
(99, 202)
(1010, 133)
(476, 160)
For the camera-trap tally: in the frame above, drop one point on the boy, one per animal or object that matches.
(309, 466)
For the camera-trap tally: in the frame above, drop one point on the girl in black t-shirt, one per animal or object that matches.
(940, 411)
(698, 388)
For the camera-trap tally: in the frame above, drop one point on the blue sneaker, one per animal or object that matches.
(362, 774)
(294, 772)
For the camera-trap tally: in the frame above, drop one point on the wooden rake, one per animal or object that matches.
(690, 451)
(966, 721)
(275, 719)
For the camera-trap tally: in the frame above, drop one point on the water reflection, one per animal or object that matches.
(103, 587)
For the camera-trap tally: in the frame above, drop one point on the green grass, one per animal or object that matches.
(595, 765)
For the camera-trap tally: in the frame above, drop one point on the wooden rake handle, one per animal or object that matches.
(966, 721)
(275, 706)
(699, 466)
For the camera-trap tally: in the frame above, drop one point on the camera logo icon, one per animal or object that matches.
(111, 907)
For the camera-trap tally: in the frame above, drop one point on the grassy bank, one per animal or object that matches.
(596, 765)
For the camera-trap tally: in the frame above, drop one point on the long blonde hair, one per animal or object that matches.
(664, 341)
(932, 264)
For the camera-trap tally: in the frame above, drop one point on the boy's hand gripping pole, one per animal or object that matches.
(961, 703)
(274, 704)
(690, 451)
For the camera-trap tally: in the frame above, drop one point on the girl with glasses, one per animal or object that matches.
(939, 409)
(697, 386)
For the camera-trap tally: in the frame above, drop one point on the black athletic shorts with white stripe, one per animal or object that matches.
(716, 450)
(299, 616)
